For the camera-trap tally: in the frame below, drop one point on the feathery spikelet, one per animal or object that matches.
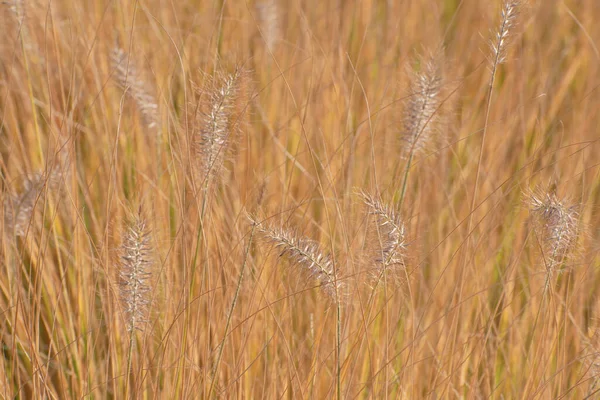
(18, 208)
(509, 16)
(135, 271)
(390, 256)
(129, 78)
(269, 17)
(421, 116)
(215, 123)
(306, 255)
(558, 224)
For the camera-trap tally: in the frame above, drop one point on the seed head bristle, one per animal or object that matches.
(511, 10)
(135, 273)
(392, 240)
(306, 255)
(558, 224)
(216, 122)
(129, 78)
(421, 115)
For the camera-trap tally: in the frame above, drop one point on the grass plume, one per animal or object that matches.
(305, 256)
(558, 226)
(135, 271)
(509, 16)
(499, 45)
(390, 256)
(215, 123)
(421, 116)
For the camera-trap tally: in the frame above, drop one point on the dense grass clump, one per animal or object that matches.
(423, 181)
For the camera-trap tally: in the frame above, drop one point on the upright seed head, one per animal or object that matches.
(135, 272)
(60, 169)
(421, 116)
(509, 19)
(215, 123)
(558, 226)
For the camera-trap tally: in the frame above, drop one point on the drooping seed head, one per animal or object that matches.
(390, 256)
(305, 257)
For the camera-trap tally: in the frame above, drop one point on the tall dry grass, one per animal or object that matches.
(424, 180)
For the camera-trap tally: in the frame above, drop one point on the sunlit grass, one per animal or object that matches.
(405, 242)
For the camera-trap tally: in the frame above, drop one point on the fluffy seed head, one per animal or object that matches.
(215, 123)
(557, 224)
(306, 256)
(391, 236)
(421, 115)
(129, 78)
(509, 19)
(135, 272)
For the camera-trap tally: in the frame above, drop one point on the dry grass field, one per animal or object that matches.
(300, 199)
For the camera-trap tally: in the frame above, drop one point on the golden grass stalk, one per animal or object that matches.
(60, 169)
